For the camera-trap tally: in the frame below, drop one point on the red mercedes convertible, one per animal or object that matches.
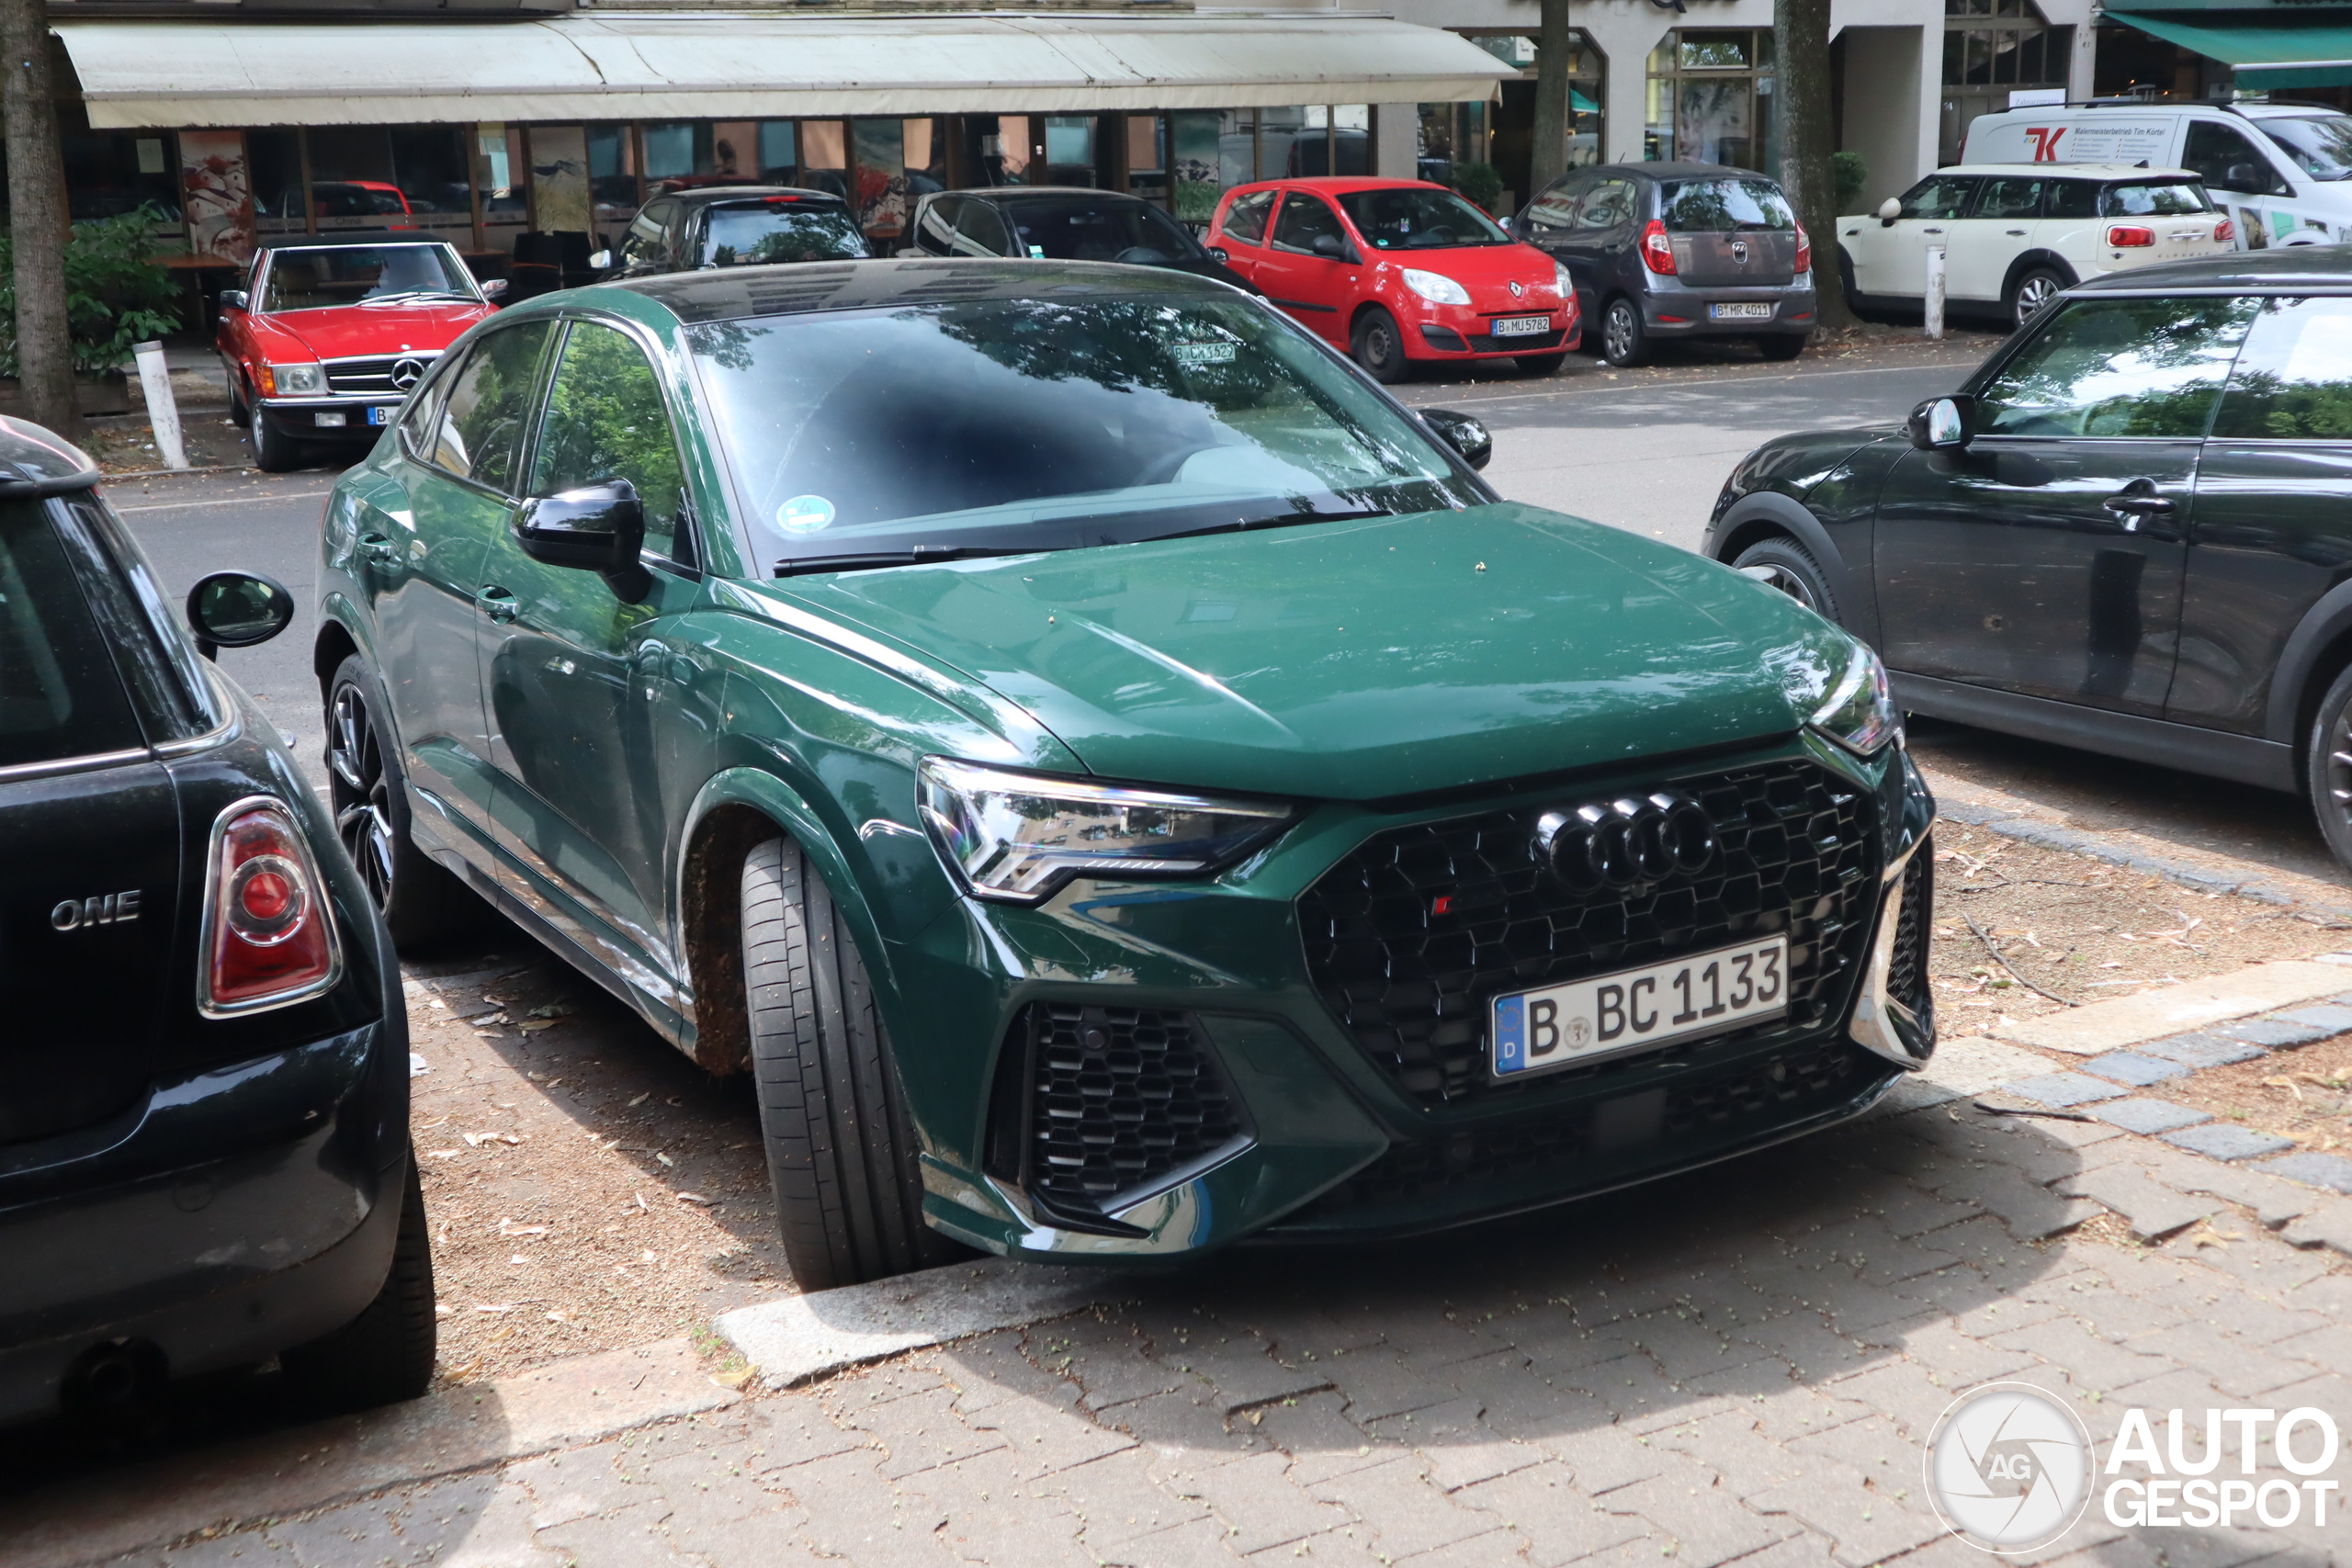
(329, 332)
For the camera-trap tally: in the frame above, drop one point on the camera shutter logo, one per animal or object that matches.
(2008, 1466)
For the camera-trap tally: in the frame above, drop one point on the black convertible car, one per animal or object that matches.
(2131, 530)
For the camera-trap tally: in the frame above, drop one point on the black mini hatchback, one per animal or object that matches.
(204, 1152)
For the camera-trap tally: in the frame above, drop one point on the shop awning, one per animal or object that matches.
(2307, 47)
(706, 66)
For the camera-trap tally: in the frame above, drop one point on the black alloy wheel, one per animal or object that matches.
(415, 895)
(2033, 294)
(2328, 767)
(1783, 564)
(1624, 340)
(1379, 346)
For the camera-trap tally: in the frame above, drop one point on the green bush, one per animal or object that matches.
(115, 295)
(1478, 183)
(1850, 175)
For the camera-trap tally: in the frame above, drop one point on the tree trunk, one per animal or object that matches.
(1553, 48)
(39, 226)
(1801, 45)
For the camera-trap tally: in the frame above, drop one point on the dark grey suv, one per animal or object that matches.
(1665, 251)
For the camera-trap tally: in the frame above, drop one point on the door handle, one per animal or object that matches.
(2013, 231)
(2134, 504)
(497, 604)
(1932, 230)
(379, 549)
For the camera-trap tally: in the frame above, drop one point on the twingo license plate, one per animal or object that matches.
(1520, 326)
(1760, 312)
(1557, 1026)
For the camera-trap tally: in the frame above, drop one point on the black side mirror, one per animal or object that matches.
(1219, 254)
(598, 528)
(1941, 424)
(1462, 433)
(234, 300)
(1330, 245)
(237, 609)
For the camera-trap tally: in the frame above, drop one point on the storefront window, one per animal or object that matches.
(1993, 48)
(1711, 99)
(109, 172)
(881, 201)
(679, 150)
(1147, 157)
(779, 153)
(429, 170)
(1193, 139)
(1451, 135)
(926, 156)
(501, 167)
(1070, 150)
(612, 174)
(274, 164)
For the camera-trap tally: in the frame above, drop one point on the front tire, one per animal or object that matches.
(275, 452)
(1378, 345)
(384, 1355)
(1784, 564)
(1539, 363)
(2032, 293)
(418, 898)
(2328, 767)
(1624, 340)
(840, 1149)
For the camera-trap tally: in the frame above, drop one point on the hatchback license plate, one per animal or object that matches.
(1760, 312)
(1520, 326)
(1558, 1026)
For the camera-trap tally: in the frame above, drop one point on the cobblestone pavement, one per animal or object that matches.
(1737, 1365)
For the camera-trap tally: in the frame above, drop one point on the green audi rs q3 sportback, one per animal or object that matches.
(1119, 781)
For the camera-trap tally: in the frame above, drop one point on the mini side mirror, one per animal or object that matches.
(601, 259)
(1462, 433)
(1941, 424)
(234, 300)
(598, 528)
(237, 609)
(1889, 210)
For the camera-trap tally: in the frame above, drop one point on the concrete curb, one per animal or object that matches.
(98, 1518)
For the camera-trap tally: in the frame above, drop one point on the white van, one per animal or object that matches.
(2283, 171)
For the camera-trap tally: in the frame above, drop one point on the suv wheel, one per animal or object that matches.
(841, 1150)
(416, 896)
(1623, 340)
(2033, 290)
(385, 1354)
(1379, 345)
(1784, 564)
(2328, 767)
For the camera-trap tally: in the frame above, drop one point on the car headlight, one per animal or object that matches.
(1436, 288)
(1859, 715)
(1563, 282)
(1018, 836)
(293, 380)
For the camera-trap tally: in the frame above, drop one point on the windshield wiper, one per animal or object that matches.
(1280, 519)
(869, 561)
(414, 294)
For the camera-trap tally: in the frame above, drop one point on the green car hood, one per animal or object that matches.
(1365, 660)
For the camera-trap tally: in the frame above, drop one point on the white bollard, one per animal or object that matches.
(1935, 311)
(163, 409)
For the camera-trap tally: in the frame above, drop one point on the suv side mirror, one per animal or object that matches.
(598, 528)
(1462, 433)
(234, 300)
(1890, 209)
(237, 609)
(1941, 424)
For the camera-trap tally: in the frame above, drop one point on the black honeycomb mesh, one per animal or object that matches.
(1907, 969)
(1796, 856)
(1744, 1097)
(1120, 1097)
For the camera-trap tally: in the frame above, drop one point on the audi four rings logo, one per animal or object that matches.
(1624, 843)
(406, 372)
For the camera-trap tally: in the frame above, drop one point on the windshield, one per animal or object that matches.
(752, 233)
(1716, 207)
(2321, 144)
(360, 275)
(1417, 218)
(1128, 232)
(1045, 423)
(2167, 199)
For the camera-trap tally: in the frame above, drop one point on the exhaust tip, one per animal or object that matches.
(113, 1375)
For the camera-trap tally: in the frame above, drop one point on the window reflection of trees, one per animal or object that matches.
(2120, 367)
(2294, 379)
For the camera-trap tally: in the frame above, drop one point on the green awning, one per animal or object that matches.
(2270, 48)
(1582, 103)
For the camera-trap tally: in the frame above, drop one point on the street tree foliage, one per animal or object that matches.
(115, 295)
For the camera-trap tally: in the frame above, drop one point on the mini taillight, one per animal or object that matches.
(2121, 235)
(269, 936)
(2225, 233)
(1804, 250)
(1658, 249)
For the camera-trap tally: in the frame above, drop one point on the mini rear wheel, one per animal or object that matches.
(2032, 291)
(385, 1354)
(1379, 345)
(418, 898)
(1784, 564)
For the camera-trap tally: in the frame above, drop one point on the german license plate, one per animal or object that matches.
(379, 414)
(1761, 311)
(1520, 326)
(1534, 1031)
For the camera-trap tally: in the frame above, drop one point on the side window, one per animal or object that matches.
(1246, 219)
(2294, 378)
(480, 429)
(980, 231)
(1939, 196)
(2070, 199)
(2225, 160)
(416, 424)
(644, 246)
(935, 230)
(1307, 220)
(1556, 209)
(1607, 204)
(606, 420)
(2118, 368)
(2010, 197)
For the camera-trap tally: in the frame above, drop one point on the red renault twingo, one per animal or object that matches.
(1396, 271)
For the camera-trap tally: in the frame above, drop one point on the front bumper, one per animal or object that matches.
(331, 416)
(238, 1212)
(1466, 331)
(1271, 1115)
